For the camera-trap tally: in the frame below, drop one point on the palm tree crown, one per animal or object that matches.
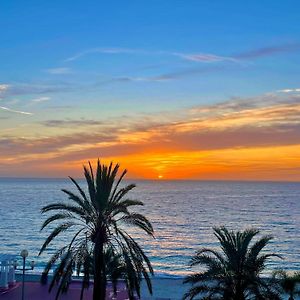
(234, 272)
(100, 245)
(288, 282)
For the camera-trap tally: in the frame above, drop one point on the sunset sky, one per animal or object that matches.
(170, 89)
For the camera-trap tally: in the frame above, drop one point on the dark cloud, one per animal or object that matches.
(236, 104)
(198, 140)
(70, 123)
(19, 146)
(269, 120)
(244, 136)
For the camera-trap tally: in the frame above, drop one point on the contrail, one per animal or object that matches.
(16, 111)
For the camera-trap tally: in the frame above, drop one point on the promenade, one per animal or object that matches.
(36, 291)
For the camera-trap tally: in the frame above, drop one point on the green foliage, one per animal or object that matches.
(234, 272)
(99, 219)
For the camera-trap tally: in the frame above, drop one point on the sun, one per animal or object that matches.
(160, 176)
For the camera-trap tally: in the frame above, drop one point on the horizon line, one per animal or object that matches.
(156, 179)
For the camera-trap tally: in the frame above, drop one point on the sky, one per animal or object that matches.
(170, 89)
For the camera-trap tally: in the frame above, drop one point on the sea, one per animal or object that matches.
(183, 214)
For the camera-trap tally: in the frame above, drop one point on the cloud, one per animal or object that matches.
(40, 99)
(15, 111)
(268, 51)
(260, 131)
(70, 123)
(195, 57)
(105, 51)
(271, 119)
(238, 59)
(4, 87)
(18, 89)
(288, 91)
(237, 104)
(137, 79)
(59, 107)
(39, 88)
(204, 57)
(58, 71)
(187, 72)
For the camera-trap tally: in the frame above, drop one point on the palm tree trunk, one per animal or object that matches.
(100, 281)
(239, 293)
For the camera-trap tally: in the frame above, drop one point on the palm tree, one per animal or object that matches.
(234, 272)
(98, 219)
(288, 282)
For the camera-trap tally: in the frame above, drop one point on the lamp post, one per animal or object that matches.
(24, 254)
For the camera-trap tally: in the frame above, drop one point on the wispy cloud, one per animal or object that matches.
(187, 72)
(195, 57)
(137, 79)
(15, 111)
(4, 87)
(204, 57)
(268, 51)
(237, 104)
(265, 120)
(105, 51)
(289, 91)
(35, 88)
(261, 132)
(71, 123)
(238, 58)
(59, 71)
(40, 99)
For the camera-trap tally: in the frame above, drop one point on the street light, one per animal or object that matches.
(24, 254)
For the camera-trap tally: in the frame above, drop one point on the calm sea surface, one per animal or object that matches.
(182, 213)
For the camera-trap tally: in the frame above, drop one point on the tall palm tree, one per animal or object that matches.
(289, 283)
(234, 272)
(98, 220)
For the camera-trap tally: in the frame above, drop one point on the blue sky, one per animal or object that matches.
(41, 35)
(90, 61)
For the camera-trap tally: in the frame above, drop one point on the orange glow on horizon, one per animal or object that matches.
(229, 141)
(264, 163)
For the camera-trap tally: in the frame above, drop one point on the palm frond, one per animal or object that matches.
(56, 217)
(258, 247)
(101, 244)
(89, 177)
(65, 207)
(59, 229)
(139, 221)
(234, 273)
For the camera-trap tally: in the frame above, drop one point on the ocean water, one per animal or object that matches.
(183, 214)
